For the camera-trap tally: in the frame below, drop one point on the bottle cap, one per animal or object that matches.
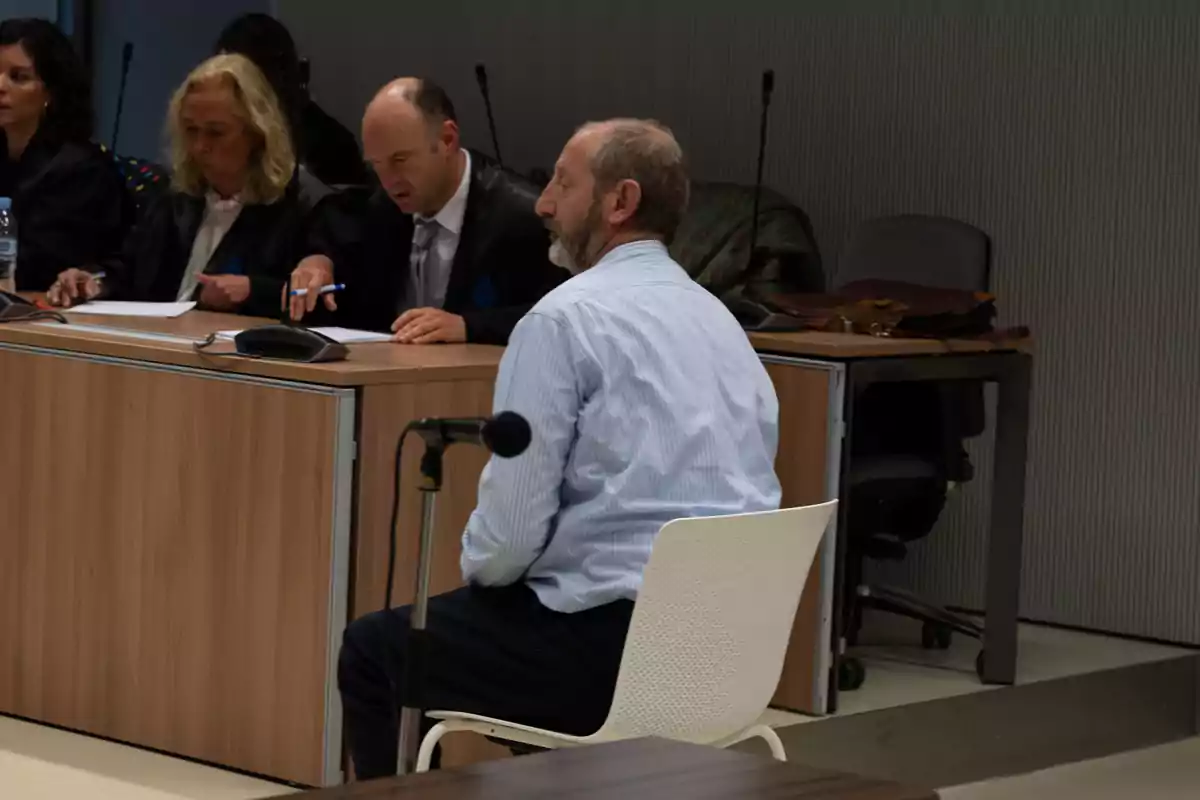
(5, 203)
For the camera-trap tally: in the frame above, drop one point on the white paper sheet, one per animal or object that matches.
(342, 335)
(112, 308)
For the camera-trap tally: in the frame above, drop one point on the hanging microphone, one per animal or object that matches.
(126, 60)
(481, 78)
(768, 86)
(507, 435)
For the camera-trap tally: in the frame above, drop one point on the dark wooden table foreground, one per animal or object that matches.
(641, 768)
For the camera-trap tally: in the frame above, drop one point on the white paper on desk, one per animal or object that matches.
(340, 335)
(113, 308)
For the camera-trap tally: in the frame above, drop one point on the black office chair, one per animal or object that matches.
(907, 439)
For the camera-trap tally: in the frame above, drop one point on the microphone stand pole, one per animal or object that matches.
(417, 649)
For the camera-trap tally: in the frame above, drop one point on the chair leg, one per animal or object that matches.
(764, 732)
(767, 734)
(429, 744)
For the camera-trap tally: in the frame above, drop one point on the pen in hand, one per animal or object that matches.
(332, 287)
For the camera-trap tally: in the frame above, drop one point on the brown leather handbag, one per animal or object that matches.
(894, 308)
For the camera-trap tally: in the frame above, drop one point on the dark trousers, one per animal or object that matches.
(496, 652)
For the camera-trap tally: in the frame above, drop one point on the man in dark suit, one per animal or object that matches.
(447, 249)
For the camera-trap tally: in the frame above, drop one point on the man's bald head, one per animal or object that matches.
(644, 151)
(406, 96)
(410, 137)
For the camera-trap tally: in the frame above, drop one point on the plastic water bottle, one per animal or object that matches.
(8, 246)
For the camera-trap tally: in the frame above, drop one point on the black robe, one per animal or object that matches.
(264, 244)
(501, 267)
(70, 205)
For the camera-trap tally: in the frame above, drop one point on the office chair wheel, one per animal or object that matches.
(935, 636)
(851, 674)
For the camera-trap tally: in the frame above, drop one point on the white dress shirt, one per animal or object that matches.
(219, 216)
(428, 281)
(647, 403)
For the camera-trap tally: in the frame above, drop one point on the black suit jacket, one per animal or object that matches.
(263, 244)
(70, 205)
(501, 267)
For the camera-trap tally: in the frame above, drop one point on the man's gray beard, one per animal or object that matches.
(561, 257)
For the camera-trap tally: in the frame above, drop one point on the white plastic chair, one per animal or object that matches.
(707, 638)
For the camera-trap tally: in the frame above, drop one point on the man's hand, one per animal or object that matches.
(312, 273)
(429, 325)
(223, 292)
(73, 286)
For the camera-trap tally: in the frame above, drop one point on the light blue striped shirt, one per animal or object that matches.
(647, 404)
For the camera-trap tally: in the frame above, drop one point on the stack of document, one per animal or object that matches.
(113, 308)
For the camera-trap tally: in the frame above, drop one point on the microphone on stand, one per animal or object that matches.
(481, 78)
(768, 87)
(752, 314)
(126, 60)
(506, 435)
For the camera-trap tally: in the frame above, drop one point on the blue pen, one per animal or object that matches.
(332, 287)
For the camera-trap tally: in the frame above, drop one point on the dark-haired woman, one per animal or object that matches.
(68, 199)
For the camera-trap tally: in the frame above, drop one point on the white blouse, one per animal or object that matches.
(219, 216)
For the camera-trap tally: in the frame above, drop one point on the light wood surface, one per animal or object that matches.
(368, 364)
(195, 702)
(165, 559)
(850, 345)
(801, 464)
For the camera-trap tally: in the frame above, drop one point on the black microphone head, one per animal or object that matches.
(481, 75)
(768, 81)
(507, 434)
(127, 53)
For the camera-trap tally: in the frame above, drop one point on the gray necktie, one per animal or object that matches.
(420, 280)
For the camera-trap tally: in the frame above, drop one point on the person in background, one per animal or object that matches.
(230, 228)
(323, 145)
(647, 404)
(447, 249)
(67, 197)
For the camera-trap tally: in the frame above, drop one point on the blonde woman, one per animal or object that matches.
(227, 233)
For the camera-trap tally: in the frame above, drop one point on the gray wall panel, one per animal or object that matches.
(1073, 140)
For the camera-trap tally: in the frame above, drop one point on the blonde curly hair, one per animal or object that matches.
(273, 161)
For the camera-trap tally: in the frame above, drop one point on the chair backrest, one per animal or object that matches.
(712, 622)
(931, 251)
(144, 180)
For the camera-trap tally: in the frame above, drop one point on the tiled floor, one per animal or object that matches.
(38, 762)
(900, 673)
(1169, 772)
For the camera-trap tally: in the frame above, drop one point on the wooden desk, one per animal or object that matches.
(817, 376)
(641, 768)
(185, 535)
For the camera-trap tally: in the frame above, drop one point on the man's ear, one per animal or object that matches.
(448, 133)
(628, 198)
